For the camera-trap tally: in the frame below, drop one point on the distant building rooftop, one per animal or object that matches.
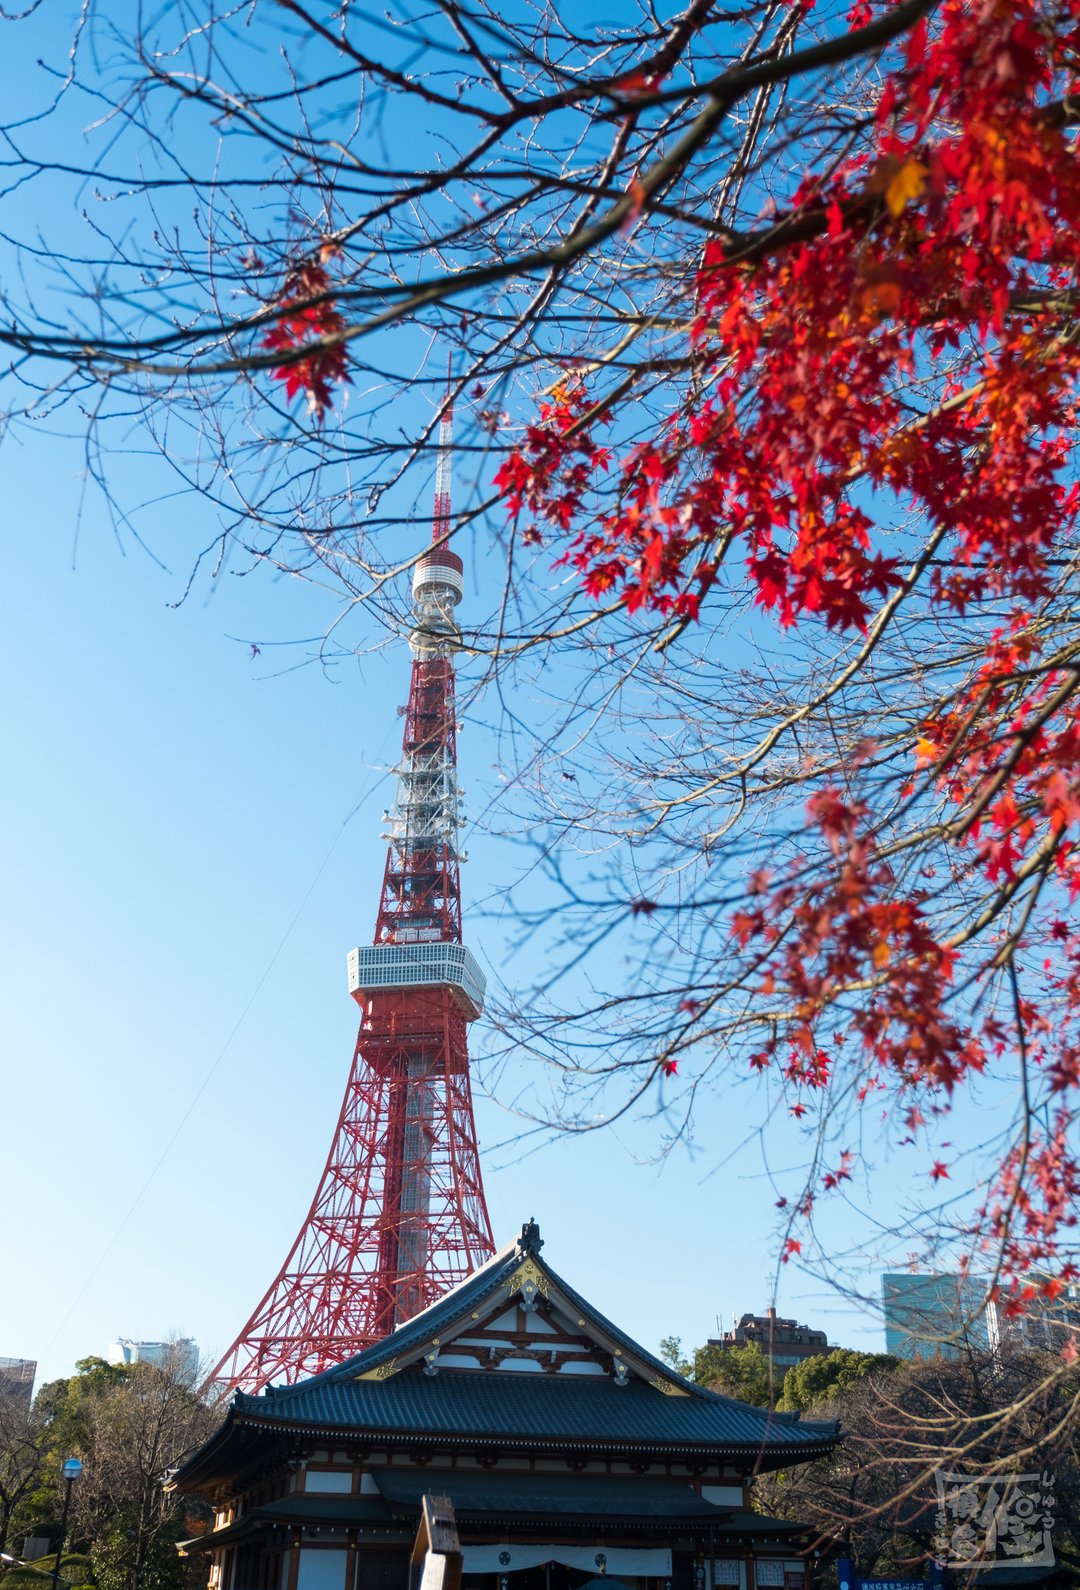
(784, 1341)
(17, 1379)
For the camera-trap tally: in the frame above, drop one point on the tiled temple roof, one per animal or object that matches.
(413, 1385)
(539, 1407)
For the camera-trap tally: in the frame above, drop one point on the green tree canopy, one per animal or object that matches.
(127, 1423)
(671, 1352)
(746, 1373)
(741, 1372)
(817, 1379)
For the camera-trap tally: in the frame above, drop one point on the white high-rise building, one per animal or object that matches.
(181, 1351)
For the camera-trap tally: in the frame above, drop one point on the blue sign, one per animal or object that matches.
(849, 1579)
(893, 1584)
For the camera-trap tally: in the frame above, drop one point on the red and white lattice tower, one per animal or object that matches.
(399, 1216)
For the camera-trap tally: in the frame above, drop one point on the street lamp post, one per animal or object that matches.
(71, 1471)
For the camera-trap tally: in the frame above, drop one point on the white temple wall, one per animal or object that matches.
(321, 1568)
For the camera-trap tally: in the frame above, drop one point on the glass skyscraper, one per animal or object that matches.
(928, 1316)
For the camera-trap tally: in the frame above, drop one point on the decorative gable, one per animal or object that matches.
(516, 1316)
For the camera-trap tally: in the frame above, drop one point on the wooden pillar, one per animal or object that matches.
(294, 1561)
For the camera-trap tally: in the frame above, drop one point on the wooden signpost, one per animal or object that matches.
(437, 1546)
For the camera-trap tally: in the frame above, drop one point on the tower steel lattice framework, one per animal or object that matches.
(399, 1215)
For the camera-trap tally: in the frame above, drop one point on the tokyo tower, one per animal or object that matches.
(399, 1215)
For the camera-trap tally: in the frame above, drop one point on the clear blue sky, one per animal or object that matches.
(189, 849)
(176, 1026)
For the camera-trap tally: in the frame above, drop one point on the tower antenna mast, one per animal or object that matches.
(399, 1215)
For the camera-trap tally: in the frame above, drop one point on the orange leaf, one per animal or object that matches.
(907, 184)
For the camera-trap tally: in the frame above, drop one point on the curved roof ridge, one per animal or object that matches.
(409, 1337)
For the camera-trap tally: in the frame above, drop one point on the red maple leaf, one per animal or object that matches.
(309, 328)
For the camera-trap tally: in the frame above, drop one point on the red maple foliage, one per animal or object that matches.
(887, 335)
(308, 326)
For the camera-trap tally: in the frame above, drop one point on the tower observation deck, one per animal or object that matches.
(399, 1215)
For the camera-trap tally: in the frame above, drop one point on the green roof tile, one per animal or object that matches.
(536, 1407)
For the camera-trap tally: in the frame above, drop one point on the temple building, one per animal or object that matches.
(569, 1452)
